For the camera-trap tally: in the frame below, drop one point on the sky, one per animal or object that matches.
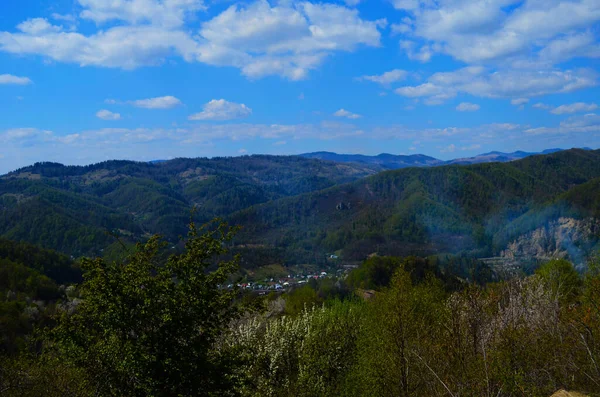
(83, 81)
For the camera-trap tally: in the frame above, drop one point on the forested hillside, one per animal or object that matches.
(153, 326)
(476, 208)
(30, 285)
(76, 209)
(295, 210)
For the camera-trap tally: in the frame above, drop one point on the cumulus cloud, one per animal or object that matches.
(21, 133)
(169, 13)
(502, 30)
(415, 52)
(387, 78)
(510, 83)
(220, 109)
(519, 101)
(542, 106)
(575, 108)
(64, 17)
(467, 107)
(10, 79)
(108, 115)
(578, 107)
(164, 102)
(346, 114)
(586, 124)
(286, 39)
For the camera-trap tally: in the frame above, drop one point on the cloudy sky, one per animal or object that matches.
(88, 80)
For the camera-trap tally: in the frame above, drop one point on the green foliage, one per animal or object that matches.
(56, 266)
(29, 291)
(474, 209)
(401, 324)
(562, 279)
(73, 209)
(305, 355)
(300, 299)
(149, 328)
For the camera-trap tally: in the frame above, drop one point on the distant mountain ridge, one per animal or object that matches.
(297, 210)
(393, 162)
(385, 160)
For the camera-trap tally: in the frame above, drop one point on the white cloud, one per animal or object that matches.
(126, 47)
(423, 54)
(346, 114)
(37, 26)
(10, 79)
(387, 78)
(108, 115)
(64, 17)
(575, 108)
(467, 107)
(165, 102)
(242, 151)
(481, 82)
(578, 107)
(168, 13)
(21, 133)
(287, 39)
(586, 124)
(280, 143)
(519, 101)
(220, 109)
(477, 31)
(542, 106)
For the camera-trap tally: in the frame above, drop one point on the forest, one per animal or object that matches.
(422, 329)
(295, 210)
(434, 290)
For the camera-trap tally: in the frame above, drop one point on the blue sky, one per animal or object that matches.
(83, 81)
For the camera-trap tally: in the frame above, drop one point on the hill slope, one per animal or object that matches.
(72, 209)
(476, 208)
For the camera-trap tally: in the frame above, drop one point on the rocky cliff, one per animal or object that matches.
(568, 238)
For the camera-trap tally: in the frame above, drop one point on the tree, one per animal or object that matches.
(562, 279)
(150, 328)
(395, 349)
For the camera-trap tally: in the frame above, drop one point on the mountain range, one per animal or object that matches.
(392, 161)
(298, 210)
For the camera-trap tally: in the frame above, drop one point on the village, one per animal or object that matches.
(283, 284)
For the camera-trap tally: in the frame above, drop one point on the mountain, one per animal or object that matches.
(295, 210)
(499, 157)
(385, 161)
(393, 162)
(476, 209)
(76, 209)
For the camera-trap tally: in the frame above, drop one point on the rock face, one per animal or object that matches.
(567, 238)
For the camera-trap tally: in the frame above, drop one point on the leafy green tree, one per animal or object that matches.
(146, 328)
(396, 346)
(300, 299)
(562, 279)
